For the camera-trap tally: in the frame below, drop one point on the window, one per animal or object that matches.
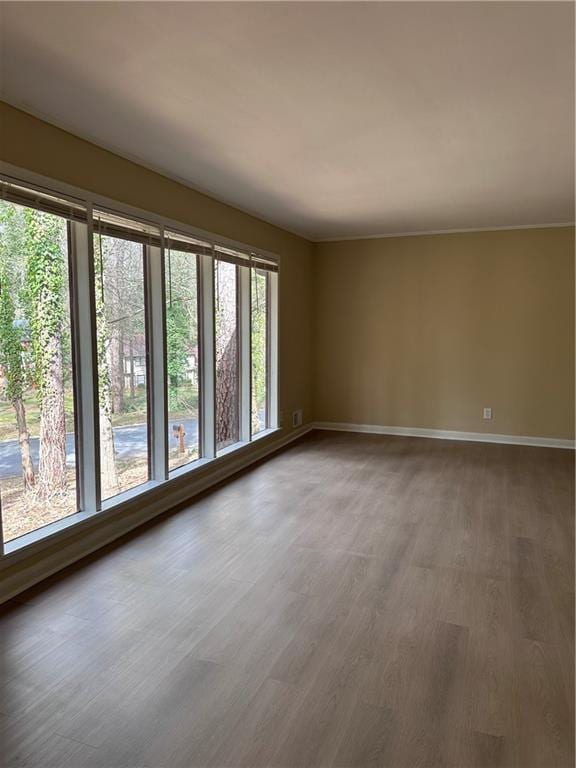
(182, 355)
(121, 352)
(128, 352)
(37, 445)
(227, 354)
(260, 353)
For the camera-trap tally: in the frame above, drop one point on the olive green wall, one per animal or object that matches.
(426, 331)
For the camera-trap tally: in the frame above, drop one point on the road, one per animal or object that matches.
(129, 442)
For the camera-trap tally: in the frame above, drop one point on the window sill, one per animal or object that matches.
(47, 531)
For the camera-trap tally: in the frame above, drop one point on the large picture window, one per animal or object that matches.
(37, 445)
(260, 350)
(227, 354)
(122, 361)
(182, 355)
(130, 354)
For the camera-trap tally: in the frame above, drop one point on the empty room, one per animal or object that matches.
(287, 384)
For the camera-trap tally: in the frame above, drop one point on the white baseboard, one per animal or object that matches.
(444, 434)
(31, 565)
(28, 566)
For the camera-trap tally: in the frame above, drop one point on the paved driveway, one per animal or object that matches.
(129, 442)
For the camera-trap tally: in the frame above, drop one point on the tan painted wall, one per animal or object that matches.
(426, 331)
(415, 331)
(32, 144)
(419, 331)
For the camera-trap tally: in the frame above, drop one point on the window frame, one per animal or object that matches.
(72, 333)
(156, 362)
(83, 323)
(239, 331)
(267, 353)
(153, 404)
(199, 360)
(74, 354)
(86, 372)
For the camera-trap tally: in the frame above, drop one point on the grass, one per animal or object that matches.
(8, 429)
(184, 405)
(135, 412)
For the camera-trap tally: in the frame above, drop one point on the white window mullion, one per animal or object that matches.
(157, 363)
(273, 379)
(2, 542)
(86, 363)
(207, 343)
(245, 357)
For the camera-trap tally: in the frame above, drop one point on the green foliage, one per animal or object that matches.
(181, 329)
(10, 341)
(183, 399)
(44, 289)
(12, 249)
(102, 335)
(178, 342)
(12, 240)
(259, 331)
(136, 404)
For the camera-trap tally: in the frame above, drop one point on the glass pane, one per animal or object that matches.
(122, 363)
(182, 358)
(259, 301)
(227, 350)
(37, 444)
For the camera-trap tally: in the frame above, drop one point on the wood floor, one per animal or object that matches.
(356, 601)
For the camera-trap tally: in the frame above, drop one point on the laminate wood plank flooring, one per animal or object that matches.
(356, 600)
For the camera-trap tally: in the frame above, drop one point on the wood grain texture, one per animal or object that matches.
(357, 600)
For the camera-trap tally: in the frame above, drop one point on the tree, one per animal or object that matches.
(227, 393)
(45, 304)
(13, 368)
(119, 318)
(117, 370)
(107, 455)
(259, 283)
(181, 330)
(124, 313)
(177, 342)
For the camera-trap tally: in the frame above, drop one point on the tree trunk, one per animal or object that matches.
(227, 420)
(117, 366)
(132, 387)
(227, 393)
(108, 474)
(52, 464)
(254, 415)
(24, 440)
(45, 269)
(107, 460)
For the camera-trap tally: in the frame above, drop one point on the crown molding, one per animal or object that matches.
(423, 233)
(137, 160)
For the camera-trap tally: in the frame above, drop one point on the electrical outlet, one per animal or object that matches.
(297, 418)
(487, 414)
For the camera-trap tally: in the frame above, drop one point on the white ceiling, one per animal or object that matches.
(330, 119)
